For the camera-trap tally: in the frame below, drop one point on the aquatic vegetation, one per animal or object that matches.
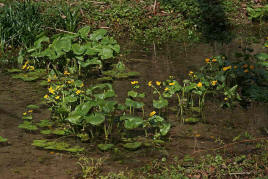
(3, 140)
(28, 126)
(71, 53)
(30, 76)
(54, 145)
(258, 14)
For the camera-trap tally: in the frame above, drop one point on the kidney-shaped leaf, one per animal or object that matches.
(98, 34)
(132, 122)
(95, 119)
(74, 119)
(84, 31)
(164, 129)
(161, 103)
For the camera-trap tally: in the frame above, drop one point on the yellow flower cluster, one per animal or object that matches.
(171, 84)
(245, 66)
(51, 90)
(66, 72)
(78, 92)
(227, 68)
(134, 82)
(191, 73)
(27, 66)
(70, 81)
(207, 60)
(214, 60)
(150, 83)
(158, 83)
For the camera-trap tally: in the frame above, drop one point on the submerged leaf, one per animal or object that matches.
(105, 147)
(133, 145)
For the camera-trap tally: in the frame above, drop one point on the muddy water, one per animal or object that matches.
(19, 159)
(177, 60)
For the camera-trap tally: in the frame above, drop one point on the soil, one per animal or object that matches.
(19, 159)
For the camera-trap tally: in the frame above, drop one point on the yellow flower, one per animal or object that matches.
(46, 96)
(48, 80)
(57, 97)
(166, 89)
(190, 73)
(214, 60)
(78, 92)
(150, 83)
(66, 72)
(227, 68)
(23, 67)
(152, 113)
(71, 81)
(134, 82)
(158, 83)
(171, 84)
(225, 99)
(246, 70)
(31, 68)
(30, 111)
(51, 90)
(24, 114)
(251, 67)
(207, 60)
(245, 65)
(213, 83)
(199, 85)
(235, 67)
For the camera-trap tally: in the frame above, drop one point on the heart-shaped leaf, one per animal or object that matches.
(95, 119)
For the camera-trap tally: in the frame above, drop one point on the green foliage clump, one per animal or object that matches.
(3, 140)
(72, 52)
(54, 145)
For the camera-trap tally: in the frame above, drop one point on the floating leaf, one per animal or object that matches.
(32, 106)
(132, 146)
(28, 126)
(45, 132)
(3, 140)
(105, 147)
(14, 70)
(191, 120)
